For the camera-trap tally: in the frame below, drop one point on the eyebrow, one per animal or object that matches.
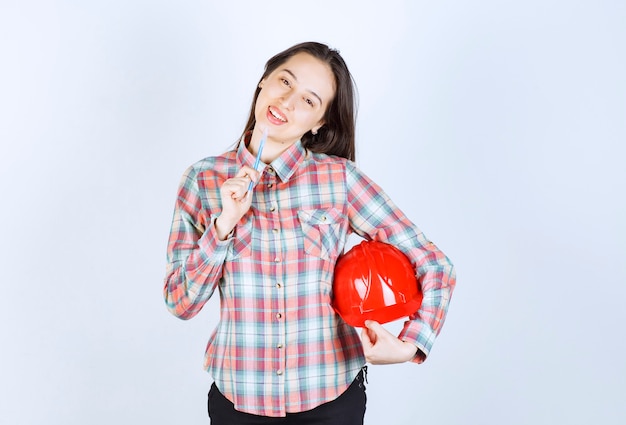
(296, 80)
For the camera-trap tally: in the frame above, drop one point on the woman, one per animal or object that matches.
(280, 354)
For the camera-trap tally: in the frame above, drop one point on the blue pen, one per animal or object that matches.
(258, 156)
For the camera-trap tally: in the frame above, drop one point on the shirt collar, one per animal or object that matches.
(285, 165)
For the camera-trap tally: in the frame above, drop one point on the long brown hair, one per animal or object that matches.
(336, 136)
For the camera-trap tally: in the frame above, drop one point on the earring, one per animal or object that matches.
(314, 132)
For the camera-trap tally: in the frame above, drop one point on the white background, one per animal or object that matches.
(497, 126)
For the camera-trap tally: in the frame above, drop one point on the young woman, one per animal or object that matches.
(280, 353)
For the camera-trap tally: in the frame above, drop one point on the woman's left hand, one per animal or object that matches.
(381, 347)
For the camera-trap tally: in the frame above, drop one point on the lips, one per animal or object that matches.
(275, 116)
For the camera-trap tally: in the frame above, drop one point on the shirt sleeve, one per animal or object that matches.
(374, 216)
(195, 254)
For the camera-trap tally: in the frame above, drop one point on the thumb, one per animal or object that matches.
(365, 337)
(374, 326)
(372, 329)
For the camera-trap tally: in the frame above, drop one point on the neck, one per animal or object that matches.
(272, 148)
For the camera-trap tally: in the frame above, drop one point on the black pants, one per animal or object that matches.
(347, 409)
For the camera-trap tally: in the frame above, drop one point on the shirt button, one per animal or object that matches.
(279, 372)
(270, 185)
(278, 315)
(275, 231)
(279, 285)
(277, 260)
(279, 346)
(272, 208)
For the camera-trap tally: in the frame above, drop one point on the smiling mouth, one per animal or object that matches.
(277, 115)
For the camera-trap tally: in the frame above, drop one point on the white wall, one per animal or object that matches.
(498, 126)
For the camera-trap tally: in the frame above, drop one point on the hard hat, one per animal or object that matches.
(375, 281)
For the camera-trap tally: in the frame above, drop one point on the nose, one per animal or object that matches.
(288, 100)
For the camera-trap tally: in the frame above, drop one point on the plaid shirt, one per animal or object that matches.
(279, 346)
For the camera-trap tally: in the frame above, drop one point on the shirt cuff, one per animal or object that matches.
(420, 334)
(213, 250)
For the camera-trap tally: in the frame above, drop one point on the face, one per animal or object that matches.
(294, 98)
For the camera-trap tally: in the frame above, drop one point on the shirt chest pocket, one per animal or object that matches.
(322, 232)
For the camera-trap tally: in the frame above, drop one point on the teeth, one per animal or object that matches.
(277, 116)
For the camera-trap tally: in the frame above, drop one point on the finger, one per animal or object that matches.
(236, 188)
(249, 172)
(368, 346)
(365, 337)
(375, 327)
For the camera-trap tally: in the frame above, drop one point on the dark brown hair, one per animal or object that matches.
(336, 136)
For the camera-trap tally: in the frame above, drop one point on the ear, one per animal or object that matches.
(319, 125)
(261, 84)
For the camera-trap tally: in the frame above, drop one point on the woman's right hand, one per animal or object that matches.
(236, 200)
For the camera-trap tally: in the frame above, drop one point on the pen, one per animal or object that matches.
(258, 156)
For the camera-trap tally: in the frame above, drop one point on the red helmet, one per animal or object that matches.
(375, 281)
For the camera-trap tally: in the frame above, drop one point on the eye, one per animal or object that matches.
(309, 102)
(285, 82)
